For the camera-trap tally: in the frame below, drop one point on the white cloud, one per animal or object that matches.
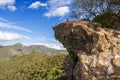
(49, 42)
(12, 8)
(55, 46)
(36, 5)
(9, 4)
(59, 3)
(60, 11)
(50, 45)
(6, 2)
(11, 38)
(7, 36)
(6, 24)
(58, 8)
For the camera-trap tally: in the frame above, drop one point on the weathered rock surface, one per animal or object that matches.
(94, 52)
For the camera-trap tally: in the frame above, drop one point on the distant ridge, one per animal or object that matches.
(8, 52)
(1, 46)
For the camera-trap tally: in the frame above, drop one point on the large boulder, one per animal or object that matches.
(94, 52)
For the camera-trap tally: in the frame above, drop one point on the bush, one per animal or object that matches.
(109, 20)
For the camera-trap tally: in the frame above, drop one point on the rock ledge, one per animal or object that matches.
(94, 52)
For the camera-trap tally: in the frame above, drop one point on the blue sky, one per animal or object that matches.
(31, 21)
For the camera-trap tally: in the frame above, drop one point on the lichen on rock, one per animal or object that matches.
(94, 51)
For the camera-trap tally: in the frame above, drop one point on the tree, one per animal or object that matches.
(117, 2)
(88, 9)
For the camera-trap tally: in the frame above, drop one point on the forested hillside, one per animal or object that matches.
(35, 66)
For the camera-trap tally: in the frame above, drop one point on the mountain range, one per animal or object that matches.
(8, 52)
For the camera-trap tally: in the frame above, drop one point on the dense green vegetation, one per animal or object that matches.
(106, 12)
(109, 20)
(34, 66)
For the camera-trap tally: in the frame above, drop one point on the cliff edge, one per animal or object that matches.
(94, 52)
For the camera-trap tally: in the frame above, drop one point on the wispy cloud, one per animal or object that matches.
(36, 5)
(50, 45)
(49, 42)
(7, 4)
(58, 8)
(6, 24)
(12, 8)
(9, 36)
(3, 20)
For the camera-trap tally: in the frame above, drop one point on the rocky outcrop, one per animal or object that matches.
(94, 52)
